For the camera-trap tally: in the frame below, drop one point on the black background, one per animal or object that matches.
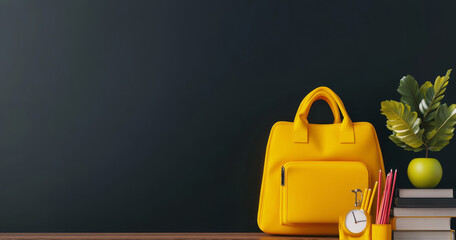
(147, 116)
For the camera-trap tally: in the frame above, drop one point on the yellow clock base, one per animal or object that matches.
(345, 234)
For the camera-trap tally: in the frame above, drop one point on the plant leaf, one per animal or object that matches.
(403, 122)
(443, 128)
(428, 105)
(427, 125)
(431, 101)
(424, 87)
(410, 92)
(401, 144)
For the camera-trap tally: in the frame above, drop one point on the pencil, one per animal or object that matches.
(392, 193)
(372, 198)
(388, 192)
(379, 190)
(368, 197)
(380, 211)
(364, 199)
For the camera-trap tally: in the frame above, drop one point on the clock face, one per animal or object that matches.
(356, 221)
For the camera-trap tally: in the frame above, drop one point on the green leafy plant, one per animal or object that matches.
(420, 121)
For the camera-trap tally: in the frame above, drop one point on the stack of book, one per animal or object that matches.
(424, 214)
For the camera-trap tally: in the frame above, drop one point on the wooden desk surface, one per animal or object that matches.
(155, 236)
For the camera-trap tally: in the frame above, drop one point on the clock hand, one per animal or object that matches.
(354, 217)
(362, 221)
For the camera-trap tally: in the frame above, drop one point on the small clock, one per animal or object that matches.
(356, 221)
(356, 224)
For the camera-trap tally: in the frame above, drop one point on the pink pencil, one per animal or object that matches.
(392, 193)
(380, 212)
(382, 204)
(388, 191)
(379, 190)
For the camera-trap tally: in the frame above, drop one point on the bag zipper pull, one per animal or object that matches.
(282, 182)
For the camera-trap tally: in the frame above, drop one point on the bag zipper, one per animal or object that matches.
(282, 176)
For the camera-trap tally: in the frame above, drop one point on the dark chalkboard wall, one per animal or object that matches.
(147, 116)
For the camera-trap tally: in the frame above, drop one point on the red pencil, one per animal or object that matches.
(382, 204)
(380, 207)
(388, 191)
(380, 213)
(392, 193)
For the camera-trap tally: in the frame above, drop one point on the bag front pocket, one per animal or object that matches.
(319, 191)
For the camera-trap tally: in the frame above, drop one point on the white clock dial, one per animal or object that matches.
(356, 221)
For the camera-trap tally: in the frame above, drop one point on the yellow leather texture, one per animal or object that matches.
(321, 163)
(299, 180)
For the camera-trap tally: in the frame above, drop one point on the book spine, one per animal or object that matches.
(393, 223)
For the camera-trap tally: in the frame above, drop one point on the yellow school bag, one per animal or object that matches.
(310, 170)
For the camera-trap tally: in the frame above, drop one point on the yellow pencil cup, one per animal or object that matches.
(381, 231)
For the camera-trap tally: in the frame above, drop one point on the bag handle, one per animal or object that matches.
(301, 130)
(327, 98)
